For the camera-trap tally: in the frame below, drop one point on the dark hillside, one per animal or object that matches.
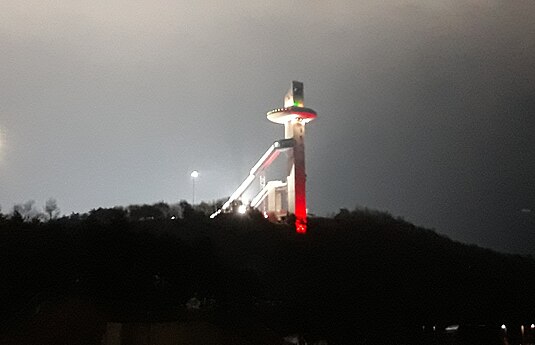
(361, 273)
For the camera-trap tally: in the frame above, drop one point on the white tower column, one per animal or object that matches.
(294, 116)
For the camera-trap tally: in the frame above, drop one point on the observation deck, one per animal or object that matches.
(284, 115)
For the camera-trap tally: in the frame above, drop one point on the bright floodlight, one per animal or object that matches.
(503, 327)
(242, 209)
(194, 174)
(533, 325)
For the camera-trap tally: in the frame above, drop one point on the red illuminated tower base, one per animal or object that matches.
(294, 116)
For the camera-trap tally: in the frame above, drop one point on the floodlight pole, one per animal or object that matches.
(194, 175)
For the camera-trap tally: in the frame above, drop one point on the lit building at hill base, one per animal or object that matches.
(279, 199)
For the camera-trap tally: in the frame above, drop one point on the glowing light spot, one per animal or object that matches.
(452, 328)
(503, 327)
(300, 226)
(242, 209)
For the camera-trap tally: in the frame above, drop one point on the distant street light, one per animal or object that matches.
(194, 175)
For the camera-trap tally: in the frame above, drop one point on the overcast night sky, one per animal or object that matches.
(426, 109)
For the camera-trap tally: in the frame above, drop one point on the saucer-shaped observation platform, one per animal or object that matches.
(284, 115)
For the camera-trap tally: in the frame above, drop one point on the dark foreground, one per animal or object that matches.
(75, 321)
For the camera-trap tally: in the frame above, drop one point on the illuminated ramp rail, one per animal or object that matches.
(265, 161)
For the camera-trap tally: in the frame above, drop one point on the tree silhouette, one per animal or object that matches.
(51, 208)
(27, 211)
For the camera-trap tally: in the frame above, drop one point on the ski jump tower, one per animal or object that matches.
(293, 116)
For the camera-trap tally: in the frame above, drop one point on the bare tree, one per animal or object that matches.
(27, 211)
(51, 208)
